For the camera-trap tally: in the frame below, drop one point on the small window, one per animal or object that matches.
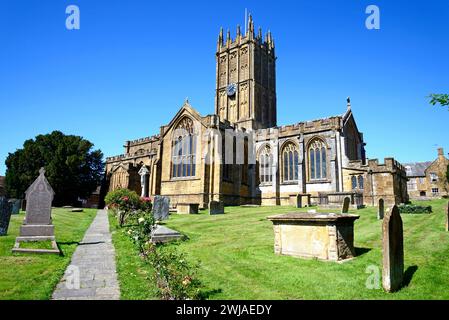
(354, 182)
(433, 177)
(435, 191)
(361, 182)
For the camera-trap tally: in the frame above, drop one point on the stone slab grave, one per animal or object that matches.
(188, 208)
(161, 208)
(325, 236)
(392, 251)
(162, 234)
(381, 209)
(37, 225)
(216, 207)
(5, 215)
(76, 210)
(16, 205)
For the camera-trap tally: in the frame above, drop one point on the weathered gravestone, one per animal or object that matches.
(393, 251)
(161, 208)
(16, 204)
(345, 207)
(162, 234)
(381, 209)
(447, 217)
(5, 215)
(37, 225)
(216, 207)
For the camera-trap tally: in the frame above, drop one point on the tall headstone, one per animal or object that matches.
(447, 217)
(5, 215)
(161, 208)
(37, 225)
(381, 209)
(345, 207)
(393, 251)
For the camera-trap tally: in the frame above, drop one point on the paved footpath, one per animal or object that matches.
(94, 261)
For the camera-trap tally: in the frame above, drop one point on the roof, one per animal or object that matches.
(417, 169)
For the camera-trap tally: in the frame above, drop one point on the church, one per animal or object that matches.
(239, 155)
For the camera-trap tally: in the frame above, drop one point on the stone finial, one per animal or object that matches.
(392, 251)
(259, 35)
(228, 36)
(42, 171)
(238, 30)
(348, 102)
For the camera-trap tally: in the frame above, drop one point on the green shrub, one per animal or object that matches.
(123, 202)
(414, 209)
(175, 277)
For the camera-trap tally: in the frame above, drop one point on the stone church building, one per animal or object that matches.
(239, 155)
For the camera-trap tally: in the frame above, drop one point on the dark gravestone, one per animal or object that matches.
(5, 215)
(16, 205)
(345, 207)
(381, 209)
(37, 225)
(216, 207)
(161, 208)
(393, 251)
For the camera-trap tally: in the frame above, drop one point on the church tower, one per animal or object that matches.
(246, 79)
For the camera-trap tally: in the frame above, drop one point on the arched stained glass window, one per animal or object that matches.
(317, 160)
(184, 148)
(265, 165)
(291, 162)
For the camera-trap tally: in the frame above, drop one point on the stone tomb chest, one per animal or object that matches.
(325, 236)
(188, 208)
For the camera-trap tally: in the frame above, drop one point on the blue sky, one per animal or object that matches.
(129, 68)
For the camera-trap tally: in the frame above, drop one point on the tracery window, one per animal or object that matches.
(290, 162)
(184, 148)
(317, 160)
(265, 165)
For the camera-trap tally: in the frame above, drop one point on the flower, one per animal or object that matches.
(141, 220)
(186, 281)
(125, 198)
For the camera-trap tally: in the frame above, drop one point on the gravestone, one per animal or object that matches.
(216, 207)
(37, 225)
(381, 209)
(162, 234)
(447, 217)
(5, 215)
(161, 208)
(345, 207)
(393, 251)
(16, 205)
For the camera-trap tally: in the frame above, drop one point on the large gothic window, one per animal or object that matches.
(184, 147)
(265, 165)
(290, 162)
(317, 160)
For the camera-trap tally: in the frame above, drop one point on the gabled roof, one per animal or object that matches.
(416, 169)
(185, 109)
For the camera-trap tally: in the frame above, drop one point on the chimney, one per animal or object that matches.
(440, 152)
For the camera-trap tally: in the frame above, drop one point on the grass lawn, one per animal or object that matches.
(133, 274)
(237, 259)
(34, 276)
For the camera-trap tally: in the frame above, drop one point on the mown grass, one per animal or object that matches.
(34, 276)
(133, 274)
(237, 259)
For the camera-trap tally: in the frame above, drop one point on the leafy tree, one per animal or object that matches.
(442, 99)
(72, 167)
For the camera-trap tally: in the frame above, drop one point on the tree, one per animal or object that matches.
(442, 99)
(72, 167)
